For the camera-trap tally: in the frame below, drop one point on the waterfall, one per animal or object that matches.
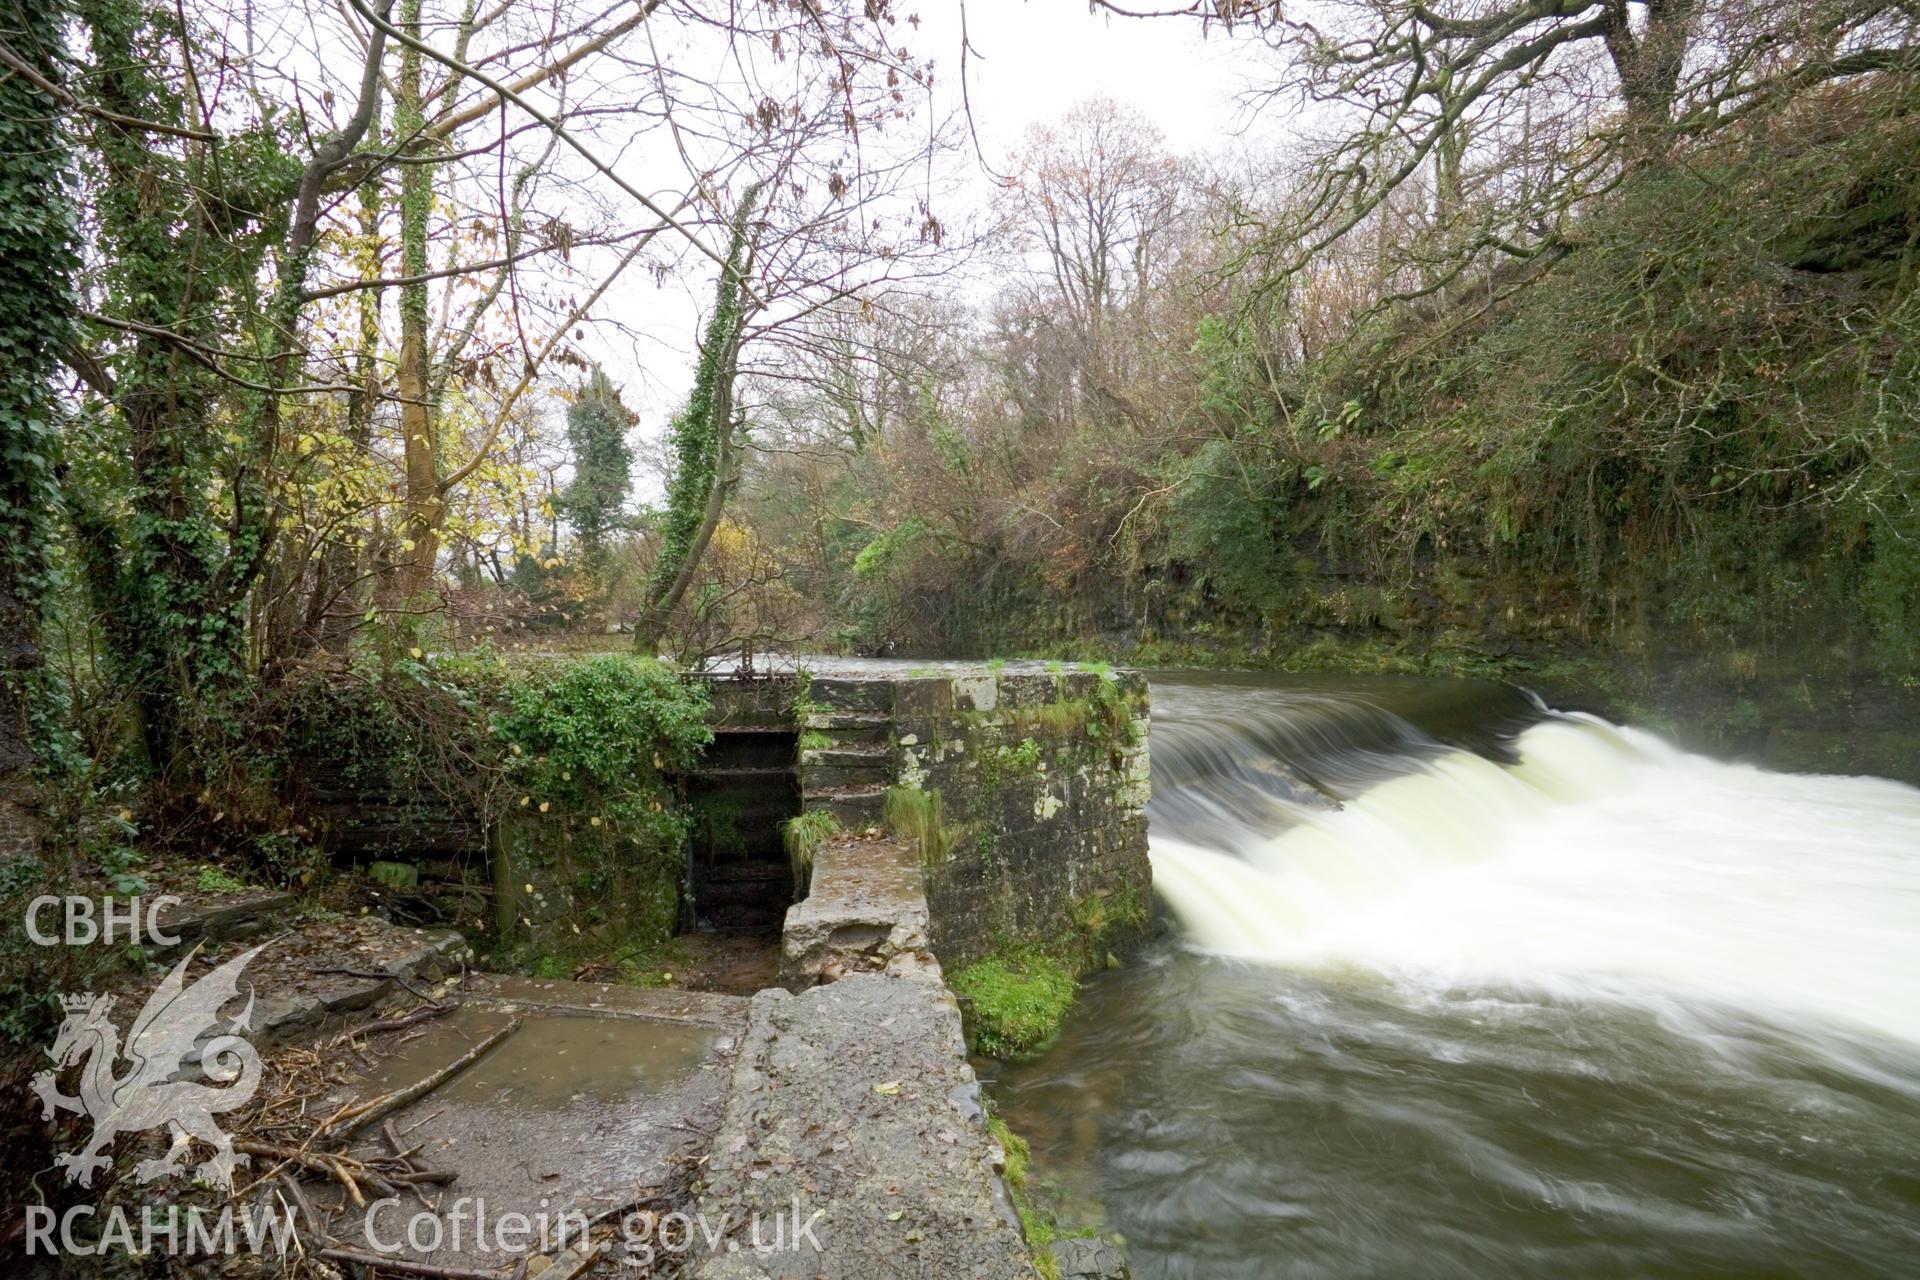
(1556, 853)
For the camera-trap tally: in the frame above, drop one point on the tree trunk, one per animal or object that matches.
(1649, 66)
(36, 259)
(423, 506)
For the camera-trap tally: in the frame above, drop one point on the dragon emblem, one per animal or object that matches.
(161, 1046)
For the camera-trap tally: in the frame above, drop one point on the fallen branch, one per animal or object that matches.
(385, 1263)
(381, 975)
(358, 1118)
(424, 1013)
(343, 1169)
(304, 1205)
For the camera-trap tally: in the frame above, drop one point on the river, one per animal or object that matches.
(1454, 985)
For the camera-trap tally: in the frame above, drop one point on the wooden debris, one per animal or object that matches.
(359, 1117)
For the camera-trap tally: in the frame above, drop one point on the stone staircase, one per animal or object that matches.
(849, 775)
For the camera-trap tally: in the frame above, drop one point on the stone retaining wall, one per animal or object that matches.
(1042, 779)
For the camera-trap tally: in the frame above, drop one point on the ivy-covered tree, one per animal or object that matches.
(37, 259)
(706, 439)
(597, 425)
(205, 244)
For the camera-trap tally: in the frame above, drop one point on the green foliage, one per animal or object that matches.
(589, 728)
(597, 425)
(1018, 999)
(117, 865)
(804, 836)
(168, 486)
(802, 705)
(887, 551)
(213, 879)
(399, 730)
(38, 257)
(1228, 522)
(32, 976)
(587, 743)
(569, 756)
(1691, 434)
(1000, 763)
(1104, 717)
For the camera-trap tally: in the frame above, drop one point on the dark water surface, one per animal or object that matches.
(1543, 998)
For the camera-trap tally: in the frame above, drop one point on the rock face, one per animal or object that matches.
(1088, 1260)
(853, 1137)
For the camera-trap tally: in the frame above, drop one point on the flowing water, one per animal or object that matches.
(1458, 986)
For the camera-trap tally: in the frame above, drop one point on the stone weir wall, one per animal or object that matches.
(1039, 782)
(1024, 789)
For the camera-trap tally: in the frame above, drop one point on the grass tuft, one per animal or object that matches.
(804, 836)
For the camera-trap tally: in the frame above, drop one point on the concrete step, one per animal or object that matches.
(852, 807)
(850, 754)
(843, 777)
(850, 723)
(872, 737)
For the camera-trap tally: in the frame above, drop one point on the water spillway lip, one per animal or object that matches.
(1250, 741)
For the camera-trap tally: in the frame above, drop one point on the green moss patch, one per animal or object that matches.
(1019, 999)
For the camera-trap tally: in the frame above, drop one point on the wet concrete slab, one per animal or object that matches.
(854, 1145)
(603, 1098)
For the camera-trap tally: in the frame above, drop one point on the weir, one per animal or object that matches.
(1435, 954)
(1467, 986)
(1474, 938)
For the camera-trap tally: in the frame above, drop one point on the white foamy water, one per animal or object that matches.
(1605, 864)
